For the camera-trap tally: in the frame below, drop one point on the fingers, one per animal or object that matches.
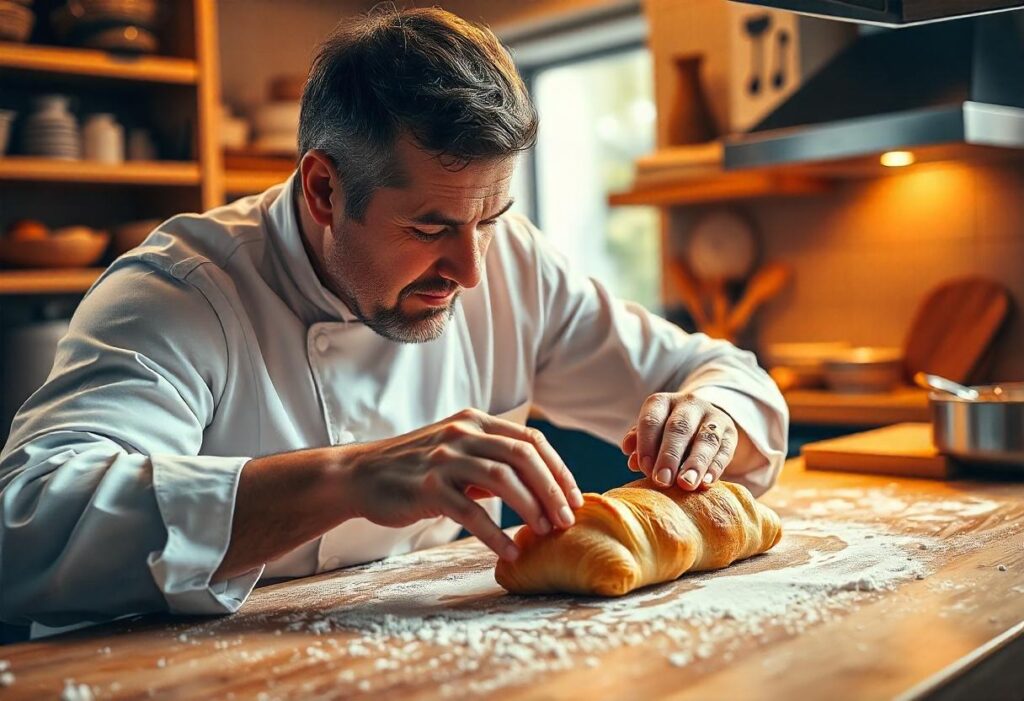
(628, 445)
(471, 516)
(634, 463)
(650, 425)
(710, 453)
(526, 469)
(556, 466)
(680, 427)
(695, 441)
(474, 475)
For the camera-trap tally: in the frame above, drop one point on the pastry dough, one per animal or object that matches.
(639, 534)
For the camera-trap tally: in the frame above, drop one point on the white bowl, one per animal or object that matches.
(803, 354)
(276, 144)
(277, 118)
(865, 370)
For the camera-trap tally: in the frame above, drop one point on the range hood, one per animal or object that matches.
(936, 85)
(891, 13)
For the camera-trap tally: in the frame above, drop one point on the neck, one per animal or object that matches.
(312, 235)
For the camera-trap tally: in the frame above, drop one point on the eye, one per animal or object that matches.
(427, 233)
(488, 224)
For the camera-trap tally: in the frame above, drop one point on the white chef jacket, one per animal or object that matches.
(214, 342)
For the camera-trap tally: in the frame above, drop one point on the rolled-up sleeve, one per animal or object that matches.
(599, 358)
(106, 506)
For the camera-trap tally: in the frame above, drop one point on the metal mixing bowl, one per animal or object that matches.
(988, 429)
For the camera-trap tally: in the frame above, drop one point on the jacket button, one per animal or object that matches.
(322, 343)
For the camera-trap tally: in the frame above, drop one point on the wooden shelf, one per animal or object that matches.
(721, 187)
(247, 182)
(693, 174)
(247, 171)
(61, 61)
(29, 169)
(816, 406)
(56, 281)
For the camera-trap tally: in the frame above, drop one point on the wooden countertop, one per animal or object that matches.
(880, 588)
(818, 406)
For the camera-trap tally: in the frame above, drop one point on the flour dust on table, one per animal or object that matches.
(463, 632)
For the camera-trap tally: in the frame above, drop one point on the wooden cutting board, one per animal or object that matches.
(904, 449)
(954, 326)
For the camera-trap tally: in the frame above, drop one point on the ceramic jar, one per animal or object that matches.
(103, 139)
(51, 130)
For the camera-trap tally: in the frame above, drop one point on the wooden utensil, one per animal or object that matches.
(765, 284)
(689, 291)
(954, 326)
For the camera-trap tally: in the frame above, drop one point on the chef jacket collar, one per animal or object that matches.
(285, 222)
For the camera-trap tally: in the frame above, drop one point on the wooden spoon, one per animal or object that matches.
(689, 291)
(765, 284)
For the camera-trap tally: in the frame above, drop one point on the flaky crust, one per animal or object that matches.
(639, 534)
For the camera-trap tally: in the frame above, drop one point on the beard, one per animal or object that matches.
(390, 321)
(395, 325)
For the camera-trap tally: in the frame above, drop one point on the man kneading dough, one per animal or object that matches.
(338, 370)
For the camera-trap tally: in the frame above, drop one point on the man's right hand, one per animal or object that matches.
(440, 469)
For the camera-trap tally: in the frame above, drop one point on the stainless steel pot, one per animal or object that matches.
(988, 429)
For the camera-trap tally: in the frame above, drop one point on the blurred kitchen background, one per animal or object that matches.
(674, 163)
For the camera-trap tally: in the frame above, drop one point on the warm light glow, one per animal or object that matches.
(897, 159)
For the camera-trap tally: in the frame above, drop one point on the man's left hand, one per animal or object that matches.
(680, 439)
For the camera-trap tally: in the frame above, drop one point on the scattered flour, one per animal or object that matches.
(463, 632)
(466, 635)
(75, 692)
(885, 502)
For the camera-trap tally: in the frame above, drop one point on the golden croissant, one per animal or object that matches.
(639, 534)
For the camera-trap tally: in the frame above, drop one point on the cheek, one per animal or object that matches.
(486, 236)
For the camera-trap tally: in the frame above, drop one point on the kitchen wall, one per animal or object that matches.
(263, 39)
(866, 254)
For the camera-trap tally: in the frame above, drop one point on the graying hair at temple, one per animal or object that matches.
(424, 73)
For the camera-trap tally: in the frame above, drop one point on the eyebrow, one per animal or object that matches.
(433, 217)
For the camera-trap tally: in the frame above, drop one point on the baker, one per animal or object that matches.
(340, 369)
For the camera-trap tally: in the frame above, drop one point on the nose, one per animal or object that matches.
(462, 259)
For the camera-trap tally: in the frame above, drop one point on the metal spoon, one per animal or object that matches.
(941, 384)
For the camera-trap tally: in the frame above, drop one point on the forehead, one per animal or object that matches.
(430, 178)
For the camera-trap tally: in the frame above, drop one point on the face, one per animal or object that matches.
(402, 268)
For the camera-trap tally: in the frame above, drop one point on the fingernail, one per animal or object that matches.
(690, 477)
(511, 552)
(709, 478)
(646, 463)
(664, 476)
(543, 525)
(576, 498)
(565, 514)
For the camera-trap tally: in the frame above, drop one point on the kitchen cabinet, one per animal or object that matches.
(177, 91)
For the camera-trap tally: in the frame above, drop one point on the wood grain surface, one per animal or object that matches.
(954, 326)
(880, 588)
(903, 450)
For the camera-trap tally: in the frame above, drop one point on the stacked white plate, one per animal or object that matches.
(277, 126)
(51, 130)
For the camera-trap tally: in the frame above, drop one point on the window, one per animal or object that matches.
(597, 116)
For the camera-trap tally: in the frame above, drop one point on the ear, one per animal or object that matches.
(321, 186)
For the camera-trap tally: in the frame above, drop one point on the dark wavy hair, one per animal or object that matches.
(447, 83)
